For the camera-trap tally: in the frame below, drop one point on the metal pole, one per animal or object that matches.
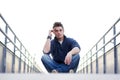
(4, 52)
(104, 57)
(96, 60)
(13, 57)
(91, 62)
(115, 52)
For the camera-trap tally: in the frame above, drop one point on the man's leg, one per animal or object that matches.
(73, 65)
(48, 63)
(75, 62)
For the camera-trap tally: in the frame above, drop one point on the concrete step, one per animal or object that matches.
(58, 76)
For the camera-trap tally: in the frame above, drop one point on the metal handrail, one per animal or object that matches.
(13, 43)
(11, 30)
(103, 46)
(85, 61)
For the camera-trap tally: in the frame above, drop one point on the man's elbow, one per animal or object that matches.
(45, 51)
(77, 49)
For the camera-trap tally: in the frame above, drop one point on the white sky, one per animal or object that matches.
(84, 20)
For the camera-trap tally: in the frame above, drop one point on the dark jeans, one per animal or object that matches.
(50, 64)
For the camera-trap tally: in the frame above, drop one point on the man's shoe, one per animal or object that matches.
(54, 71)
(71, 71)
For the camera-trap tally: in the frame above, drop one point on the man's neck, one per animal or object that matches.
(61, 39)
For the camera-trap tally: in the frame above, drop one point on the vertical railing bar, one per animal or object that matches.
(115, 52)
(24, 62)
(4, 52)
(91, 61)
(86, 63)
(96, 58)
(104, 57)
(13, 57)
(20, 58)
(28, 61)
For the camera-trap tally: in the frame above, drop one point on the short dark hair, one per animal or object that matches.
(56, 24)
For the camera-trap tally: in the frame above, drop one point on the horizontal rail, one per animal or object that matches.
(94, 51)
(27, 57)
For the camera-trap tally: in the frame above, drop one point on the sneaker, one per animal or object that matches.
(54, 71)
(71, 71)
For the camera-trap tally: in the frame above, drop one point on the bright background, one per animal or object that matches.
(84, 20)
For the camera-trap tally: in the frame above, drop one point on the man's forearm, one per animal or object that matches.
(75, 50)
(46, 48)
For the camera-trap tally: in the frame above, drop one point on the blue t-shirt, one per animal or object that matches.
(59, 51)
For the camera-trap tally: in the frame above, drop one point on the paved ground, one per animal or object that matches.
(62, 76)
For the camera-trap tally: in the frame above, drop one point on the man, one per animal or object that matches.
(64, 51)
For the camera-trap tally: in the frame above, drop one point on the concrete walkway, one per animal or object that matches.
(60, 76)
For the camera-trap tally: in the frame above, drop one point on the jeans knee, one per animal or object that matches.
(44, 57)
(77, 56)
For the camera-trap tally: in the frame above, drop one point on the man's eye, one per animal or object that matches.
(56, 30)
(60, 30)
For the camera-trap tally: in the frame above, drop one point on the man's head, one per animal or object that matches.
(57, 24)
(58, 30)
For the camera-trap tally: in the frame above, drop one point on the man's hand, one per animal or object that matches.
(50, 33)
(68, 59)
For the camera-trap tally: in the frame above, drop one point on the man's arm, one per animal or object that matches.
(75, 50)
(68, 57)
(46, 47)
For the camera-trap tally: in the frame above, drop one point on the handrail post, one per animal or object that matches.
(13, 57)
(96, 59)
(4, 52)
(115, 52)
(91, 61)
(104, 57)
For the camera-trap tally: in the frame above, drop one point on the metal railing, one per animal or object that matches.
(97, 58)
(26, 62)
